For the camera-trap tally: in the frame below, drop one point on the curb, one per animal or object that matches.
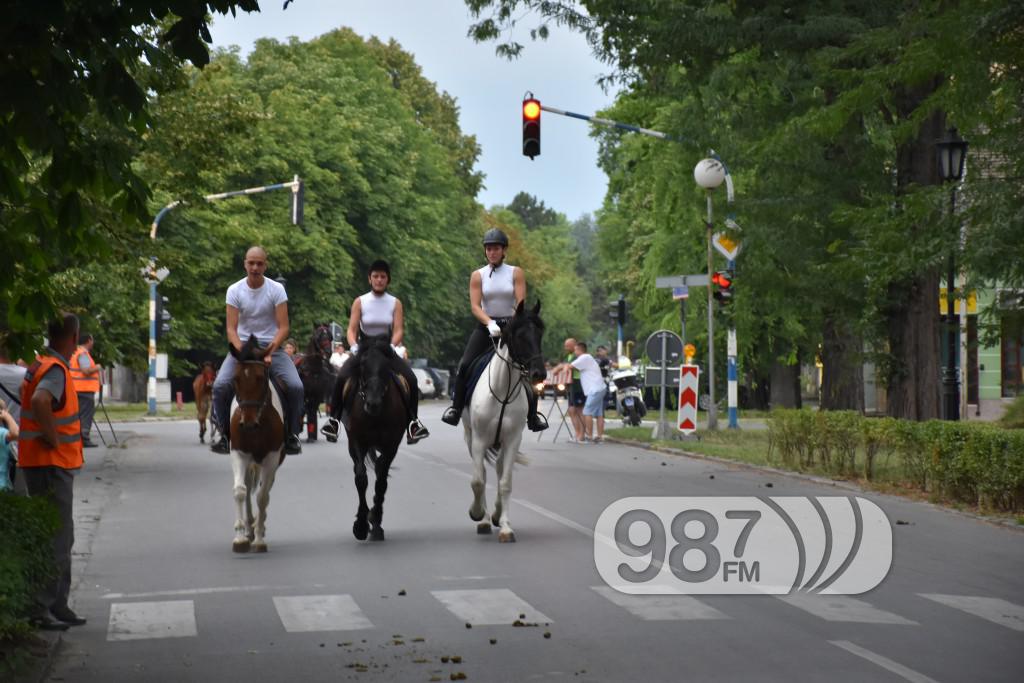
(823, 481)
(38, 668)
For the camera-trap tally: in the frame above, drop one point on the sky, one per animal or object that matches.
(561, 72)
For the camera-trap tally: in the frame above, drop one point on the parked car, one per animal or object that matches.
(426, 383)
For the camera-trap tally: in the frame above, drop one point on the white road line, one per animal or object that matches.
(145, 620)
(305, 613)
(661, 607)
(195, 591)
(884, 662)
(843, 608)
(996, 610)
(481, 607)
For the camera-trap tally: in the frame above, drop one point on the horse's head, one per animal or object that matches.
(322, 341)
(209, 374)
(522, 335)
(251, 382)
(374, 371)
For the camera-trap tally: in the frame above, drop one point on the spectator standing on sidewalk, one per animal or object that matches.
(593, 388)
(8, 460)
(605, 363)
(86, 375)
(574, 394)
(50, 455)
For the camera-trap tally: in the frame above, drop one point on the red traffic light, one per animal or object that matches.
(722, 279)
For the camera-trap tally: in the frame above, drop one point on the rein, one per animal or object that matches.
(260, 403)
(513, 388)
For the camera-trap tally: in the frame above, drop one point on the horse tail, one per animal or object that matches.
(371, 456)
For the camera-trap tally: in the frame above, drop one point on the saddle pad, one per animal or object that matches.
(476, 370)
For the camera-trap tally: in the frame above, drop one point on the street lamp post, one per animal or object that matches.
(952, 153)
(709, 174)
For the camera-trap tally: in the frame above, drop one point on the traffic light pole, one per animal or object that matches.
(295, 185)
(730, 350)
(712, 407)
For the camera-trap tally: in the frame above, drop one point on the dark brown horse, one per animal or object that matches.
(257, 443)
(202, 387)
(375, 422)
(317, 375)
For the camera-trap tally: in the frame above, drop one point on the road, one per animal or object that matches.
(167, 600)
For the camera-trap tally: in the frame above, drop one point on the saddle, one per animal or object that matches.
(476, 371)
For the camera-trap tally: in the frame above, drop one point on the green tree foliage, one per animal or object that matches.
(388, 175)
(75, 78)
(827, 113)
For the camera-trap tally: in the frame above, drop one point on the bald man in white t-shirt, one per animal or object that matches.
(257, 305)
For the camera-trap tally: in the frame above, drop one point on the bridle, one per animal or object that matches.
(514, 388)
(261, 402)
(361, 387)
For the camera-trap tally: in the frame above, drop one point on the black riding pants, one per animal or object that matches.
(479, 342)
(398, 366)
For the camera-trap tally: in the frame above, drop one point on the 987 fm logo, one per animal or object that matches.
(743, 545)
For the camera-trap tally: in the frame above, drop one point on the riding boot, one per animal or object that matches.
(454, 412)
(221, 445)
(333, 426)
(534, 420)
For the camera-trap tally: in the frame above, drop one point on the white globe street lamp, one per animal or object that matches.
(709, 173)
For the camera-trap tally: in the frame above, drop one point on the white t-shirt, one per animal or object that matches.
(256, 308)
(590, 374)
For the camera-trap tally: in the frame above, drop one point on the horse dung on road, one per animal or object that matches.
(497, 411)
(257, 443)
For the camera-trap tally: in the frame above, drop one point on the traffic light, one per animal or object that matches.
(621, 307)
(163, 317)
(531, 127)
(723, 279)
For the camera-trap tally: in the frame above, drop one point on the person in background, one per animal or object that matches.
(49, 457)
(290, 348)
(8, 460)
(339, 356)
(11, 377)
(574, 393)
(593, 388)
(605, 363)
(86, 376)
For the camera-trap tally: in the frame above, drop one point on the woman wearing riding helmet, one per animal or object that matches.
(376, 313)
(494, 292)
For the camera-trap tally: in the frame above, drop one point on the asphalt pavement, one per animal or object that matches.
(167, 600)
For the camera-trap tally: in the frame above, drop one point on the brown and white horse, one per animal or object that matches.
(257, 444)
(202, 387)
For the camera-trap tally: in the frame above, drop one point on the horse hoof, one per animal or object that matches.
(476, 517)
(483, 528)
(241, 545)
(507, 537)
(377, 534)
(260, 547)
(360, 529)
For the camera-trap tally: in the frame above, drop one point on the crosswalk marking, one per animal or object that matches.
(843, 608)
(661, 607)
(996, 610)
(143, 620)
(489, 606)
(305, 613)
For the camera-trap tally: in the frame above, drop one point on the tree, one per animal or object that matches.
(75, 78)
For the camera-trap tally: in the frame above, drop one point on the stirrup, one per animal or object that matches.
(416, 432)
(537, 423)
(451, 416)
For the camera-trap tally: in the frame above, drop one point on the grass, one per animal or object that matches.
(130, 412)
(1013, 418)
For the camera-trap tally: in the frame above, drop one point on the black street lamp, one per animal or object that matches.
(952, 153)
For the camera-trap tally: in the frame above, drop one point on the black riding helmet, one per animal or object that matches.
(379, 266)
(495, 236)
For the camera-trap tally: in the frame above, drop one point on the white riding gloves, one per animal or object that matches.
(399, 350)
(493, 328)
(354, 350)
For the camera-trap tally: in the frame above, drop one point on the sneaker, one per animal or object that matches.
(330, 430)
(417, 432)
(221, 445)
(536, 423)
(292, 445)
(451, 416)
(68, 617)
(48, 624)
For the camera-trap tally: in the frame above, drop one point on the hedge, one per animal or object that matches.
(27, 528)
(973, 462)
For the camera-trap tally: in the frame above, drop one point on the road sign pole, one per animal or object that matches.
(151, 383)
(712, 408)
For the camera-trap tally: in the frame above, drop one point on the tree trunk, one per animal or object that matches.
(785, 383)
(842, 374)
(912, 316)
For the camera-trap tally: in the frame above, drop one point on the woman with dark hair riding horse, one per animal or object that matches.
(376, 313)
(494, 292)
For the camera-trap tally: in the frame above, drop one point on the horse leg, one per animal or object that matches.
(268, 472)
(238, 468)
(311, 408)
(380, 488)
(360, 527)
(251, 480)
(506, 461)
(478, 510)
(498, 471)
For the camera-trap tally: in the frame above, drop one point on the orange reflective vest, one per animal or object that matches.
(83, 384)
(32, 450)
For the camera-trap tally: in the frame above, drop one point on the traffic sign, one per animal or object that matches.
(727, 246)
(673, 347)
(672, 281)
(688, 377)
(652, 376)
(680, 293)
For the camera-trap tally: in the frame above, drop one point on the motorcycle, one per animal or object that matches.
(625, 384)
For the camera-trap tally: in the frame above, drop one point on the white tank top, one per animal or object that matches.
(378, 313)
(499, 290)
